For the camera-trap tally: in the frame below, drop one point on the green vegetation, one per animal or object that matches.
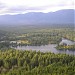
(39, 35)
(69, 47)
(17, 62)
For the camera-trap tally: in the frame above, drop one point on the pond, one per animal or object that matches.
(45, 48)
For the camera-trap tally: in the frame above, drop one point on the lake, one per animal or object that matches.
(45, 48)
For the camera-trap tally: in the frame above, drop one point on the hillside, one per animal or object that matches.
(59, 17)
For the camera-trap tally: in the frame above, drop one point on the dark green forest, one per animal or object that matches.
(17, 62)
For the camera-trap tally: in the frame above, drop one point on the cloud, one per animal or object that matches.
(1, 5)
(25, 6)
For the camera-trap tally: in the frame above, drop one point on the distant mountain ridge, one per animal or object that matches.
(59, 17)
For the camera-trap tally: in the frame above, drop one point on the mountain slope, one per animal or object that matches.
(58, 17)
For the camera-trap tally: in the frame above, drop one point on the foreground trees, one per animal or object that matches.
(15, 62)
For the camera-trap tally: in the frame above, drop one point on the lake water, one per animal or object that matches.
(45, 48)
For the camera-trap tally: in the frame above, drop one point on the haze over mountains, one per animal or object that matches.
(59, 17)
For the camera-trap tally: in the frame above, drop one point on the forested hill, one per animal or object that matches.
(59, 17)
(15, 62)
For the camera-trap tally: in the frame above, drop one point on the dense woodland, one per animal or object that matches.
(17, 62)
(42, 35)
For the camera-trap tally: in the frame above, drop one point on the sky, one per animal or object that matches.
(13, 7)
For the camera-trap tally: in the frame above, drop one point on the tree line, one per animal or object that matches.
(17, 62)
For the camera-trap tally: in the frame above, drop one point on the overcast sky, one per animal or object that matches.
(25, 6)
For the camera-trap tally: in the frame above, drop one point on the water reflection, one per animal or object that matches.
(45, 48)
